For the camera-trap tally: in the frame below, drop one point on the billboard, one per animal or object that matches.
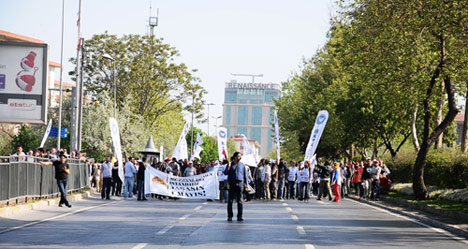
(23, 82)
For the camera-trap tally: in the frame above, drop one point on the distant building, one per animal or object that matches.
(253, 143)
(249, 109)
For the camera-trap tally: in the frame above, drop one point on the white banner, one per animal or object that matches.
(197, 149)
(222, 143)
(320, 123)
(180, 151)
(249, 158)
(277, 137)
(161, 153)
(115, 134)
(204, 186)
(46, 134)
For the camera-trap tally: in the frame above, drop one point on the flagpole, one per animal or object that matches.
(191, 142)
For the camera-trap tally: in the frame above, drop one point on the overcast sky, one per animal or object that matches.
(217, 37)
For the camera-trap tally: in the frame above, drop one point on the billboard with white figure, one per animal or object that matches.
(23, 82)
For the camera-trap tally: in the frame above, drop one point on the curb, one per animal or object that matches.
(422, 218)
(8, 211)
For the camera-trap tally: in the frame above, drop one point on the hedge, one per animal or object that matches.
(443, 169)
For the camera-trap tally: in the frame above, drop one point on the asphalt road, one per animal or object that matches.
(120, 223)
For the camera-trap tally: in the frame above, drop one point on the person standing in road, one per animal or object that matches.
(116, 182)
(325, 172)
(62, 171)
(129, 178)
(223, 191)
(336, 181)
(190, 170)
(266, 179)
(106, 178)
(292, 180)
(141, 179)
(258, 180)
(282, 170)
(236, 178)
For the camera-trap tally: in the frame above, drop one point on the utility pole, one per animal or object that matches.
(153, 21)
(77, 93)
(61, 83)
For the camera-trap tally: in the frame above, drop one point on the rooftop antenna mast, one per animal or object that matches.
(153, 21)
(249, 75)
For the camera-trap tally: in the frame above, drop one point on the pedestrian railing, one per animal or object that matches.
(28, 179)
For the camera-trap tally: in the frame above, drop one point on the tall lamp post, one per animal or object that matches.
(108, 57)
(216, 120)
(208, 105)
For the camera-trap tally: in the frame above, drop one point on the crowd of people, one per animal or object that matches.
(269, 180)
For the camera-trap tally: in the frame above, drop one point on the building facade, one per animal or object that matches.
(249, 109)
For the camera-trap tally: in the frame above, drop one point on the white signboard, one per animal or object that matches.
(23, 82)
(204, 186)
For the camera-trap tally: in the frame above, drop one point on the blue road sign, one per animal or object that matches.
(54, 132)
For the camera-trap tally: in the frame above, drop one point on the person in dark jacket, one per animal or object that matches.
(325, 173)
(141, 179)
(116, 182)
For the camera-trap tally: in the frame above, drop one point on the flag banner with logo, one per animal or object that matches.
(222, 143)
(320, 123)
(115, 134)
(204, 186)
(277, 137)
(180, 151)
(46, 134)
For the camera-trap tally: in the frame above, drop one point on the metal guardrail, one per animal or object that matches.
(29, 179)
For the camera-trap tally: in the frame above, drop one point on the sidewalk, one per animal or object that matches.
(11, 210)
(455, 226)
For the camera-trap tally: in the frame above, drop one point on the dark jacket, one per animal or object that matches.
(141, 172)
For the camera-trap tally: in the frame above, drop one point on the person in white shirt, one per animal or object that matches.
(222, 178)
(19, 156)
(292, 180)
(266, 179)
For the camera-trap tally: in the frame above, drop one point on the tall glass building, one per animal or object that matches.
(249, 109)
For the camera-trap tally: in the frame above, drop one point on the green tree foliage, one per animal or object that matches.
(26, 138)
(210, 146)
(147, 74)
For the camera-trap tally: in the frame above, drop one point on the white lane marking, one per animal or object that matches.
(197, 208)
(459, 239)
(300, 230)
(164, 230)
(294, 217)
(52, 218)
(184, 217)
(204, 203)
(285, 204)
(309, 246)
(140, 246)
(289, 209)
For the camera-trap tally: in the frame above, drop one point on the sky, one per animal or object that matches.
(216, 37)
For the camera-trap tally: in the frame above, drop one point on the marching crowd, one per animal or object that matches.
(269, 180)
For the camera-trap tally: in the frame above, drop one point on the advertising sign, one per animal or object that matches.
(23, 82)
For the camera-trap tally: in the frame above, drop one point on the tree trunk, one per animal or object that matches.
(464, 138)
(440, 112)
(419, 188)
(414, 134)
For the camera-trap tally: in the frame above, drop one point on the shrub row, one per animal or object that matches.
(443, 169)
(455, 195)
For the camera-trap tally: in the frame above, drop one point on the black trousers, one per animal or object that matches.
(116, 186)
(235, 193)
(106, 187)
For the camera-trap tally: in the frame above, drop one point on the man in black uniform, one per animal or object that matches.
(61, 174)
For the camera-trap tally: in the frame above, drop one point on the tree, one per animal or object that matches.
(146, 72)
(414, 55)
(26, 138)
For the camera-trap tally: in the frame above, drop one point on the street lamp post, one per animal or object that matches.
(216, 119)
(108, 57)
(208, 105)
